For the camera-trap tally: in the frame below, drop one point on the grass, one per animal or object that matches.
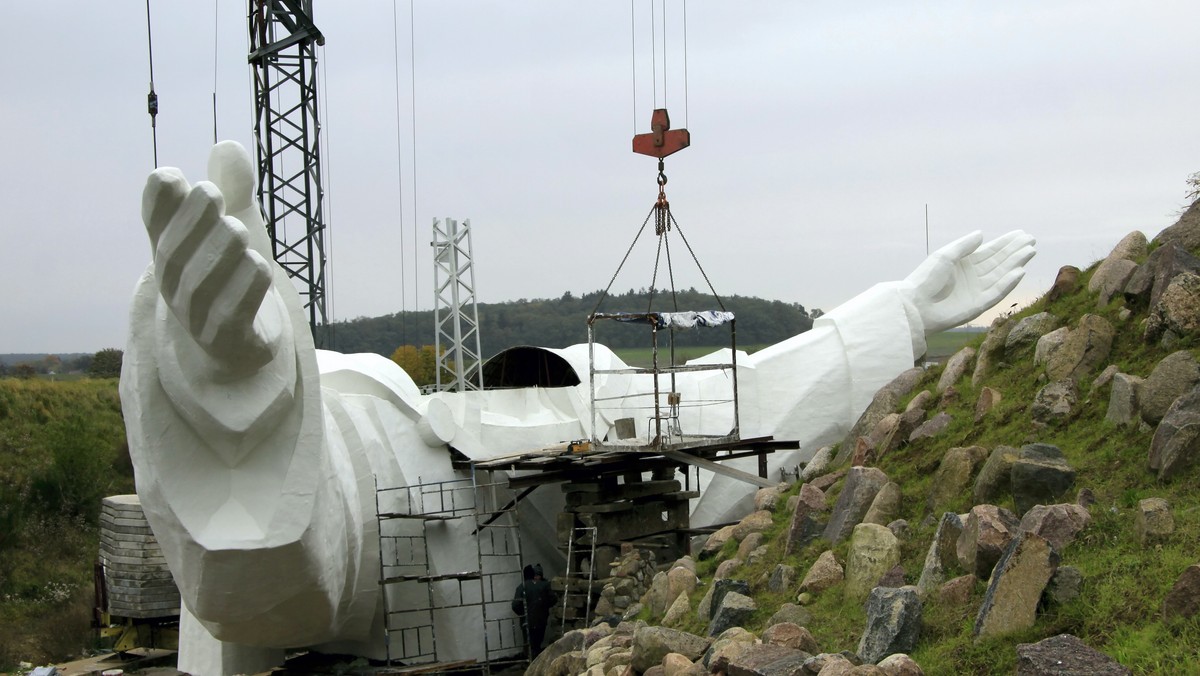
(62, 448)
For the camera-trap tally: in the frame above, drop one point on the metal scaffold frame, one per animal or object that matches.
(287, 130)
(404, 513)
(455, 314)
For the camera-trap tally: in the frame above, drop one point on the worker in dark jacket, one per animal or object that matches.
(532, 601)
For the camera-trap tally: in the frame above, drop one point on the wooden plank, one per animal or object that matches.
(718, 468)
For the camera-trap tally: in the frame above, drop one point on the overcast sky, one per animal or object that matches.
(820, 131)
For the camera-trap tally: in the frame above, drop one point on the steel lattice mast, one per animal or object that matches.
(455, 314)
(287, 129)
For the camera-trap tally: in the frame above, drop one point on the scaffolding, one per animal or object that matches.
(578, 578)
(418, 596)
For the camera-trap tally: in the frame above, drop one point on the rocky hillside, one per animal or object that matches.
(1031, 507)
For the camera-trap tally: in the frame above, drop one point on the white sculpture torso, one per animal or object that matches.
(256, 456)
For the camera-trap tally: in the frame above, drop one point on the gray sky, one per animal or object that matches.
(819, 130)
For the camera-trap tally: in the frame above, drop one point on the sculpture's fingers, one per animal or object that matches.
(961, 247)
(232, 171)
(164, 192)
(199, 212)
(995, 254)
(206, 274)
(229, 322)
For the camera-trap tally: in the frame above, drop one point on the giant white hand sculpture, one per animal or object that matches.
(963, 279)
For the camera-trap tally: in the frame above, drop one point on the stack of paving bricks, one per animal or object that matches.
(136, 579)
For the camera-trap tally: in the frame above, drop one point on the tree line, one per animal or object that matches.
(559, 322)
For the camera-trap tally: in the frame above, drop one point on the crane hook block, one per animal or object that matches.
(663, 140)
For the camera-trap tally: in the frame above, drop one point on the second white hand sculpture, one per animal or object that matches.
(255, 453)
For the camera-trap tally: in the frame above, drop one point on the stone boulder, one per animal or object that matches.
(825, 572)
(571, 642)
(1064, 587)
(1177, 312)
(681, 580)
(651, 645)
(956, 368)
(1176, 442)
(861, 487)
(716, 542)
(1040, 476)
(657, 597)
(1027, 332)
(727, 647)
(1049, 345)
(678, 610)
(1123, 400)
(1151, 279)
(893, 623)
(986, 533)
(1065, 283)
(754, 522)
(721, 588)
(1059, 524)
(733, 610)
(1064, 655)
(995, 478)
(988, 399)
(675, 664)
(769, 498)
(1153, 522)
(899, 664)
(792, 614)
(805, 526)
(886, 505)
(1185, 232)
(887, 399)
(1110, 279)
(1085, 349)
(781, 578)
(1016, 586)
(921, 400)
(1131, 247)
(991, 351)
(1105, 377)
(1055, 402)
(932, 427)
(1184, 598)
(767, 660)
(942, 556)
(790, 635)
(818, 464)
(957, 592)
(953, 475)
(750, 543)
(873, 552)
(1171, 378)
(727, 568)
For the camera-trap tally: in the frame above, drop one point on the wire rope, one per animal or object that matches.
(152, 98)
(653, 57)
(412, 22)
(326, 195)
(216, 23)
(623, 260)
(399, 174)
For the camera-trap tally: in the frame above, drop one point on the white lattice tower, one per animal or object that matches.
(455, 316)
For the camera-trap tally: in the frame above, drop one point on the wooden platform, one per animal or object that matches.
(559, 463)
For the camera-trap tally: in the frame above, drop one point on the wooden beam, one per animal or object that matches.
(718, 468)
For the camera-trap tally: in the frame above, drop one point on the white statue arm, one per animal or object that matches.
(813, 386)
(242, 479)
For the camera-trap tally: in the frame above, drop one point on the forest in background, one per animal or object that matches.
(559, 322)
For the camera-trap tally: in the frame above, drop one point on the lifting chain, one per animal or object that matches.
(662, 208)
